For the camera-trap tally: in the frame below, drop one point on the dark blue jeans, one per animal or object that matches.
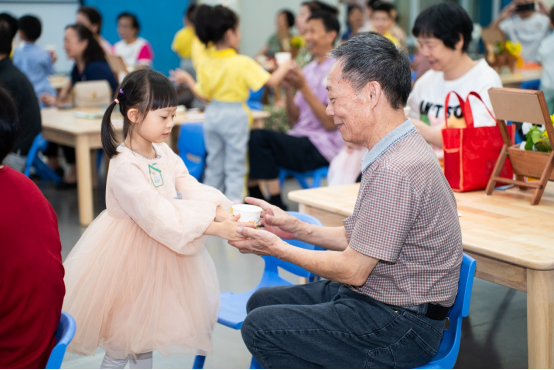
(327, 325)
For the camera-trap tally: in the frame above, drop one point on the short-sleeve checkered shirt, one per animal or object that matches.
(406, 217)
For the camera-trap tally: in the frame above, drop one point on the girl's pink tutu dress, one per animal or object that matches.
(140, 279)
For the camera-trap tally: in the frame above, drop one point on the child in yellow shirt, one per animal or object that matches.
(183, 41)
(382, 20)
(224, 78)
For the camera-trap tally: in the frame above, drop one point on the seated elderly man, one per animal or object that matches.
(314, 140)
(393, 268)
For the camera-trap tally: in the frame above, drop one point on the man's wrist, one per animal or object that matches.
(281, 250)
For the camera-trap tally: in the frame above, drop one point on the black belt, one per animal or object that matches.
(437, 312)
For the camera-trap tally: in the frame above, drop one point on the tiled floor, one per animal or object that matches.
(493, 336)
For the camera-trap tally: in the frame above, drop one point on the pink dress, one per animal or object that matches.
(140, 279)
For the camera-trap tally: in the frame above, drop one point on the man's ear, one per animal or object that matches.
(372, 92)
(133, 115)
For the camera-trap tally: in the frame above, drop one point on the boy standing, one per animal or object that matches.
(382, 20)
(35, 62)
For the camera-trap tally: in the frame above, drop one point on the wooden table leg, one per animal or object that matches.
(84, 180)
(540, 318)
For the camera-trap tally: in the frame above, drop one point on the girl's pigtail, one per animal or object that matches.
(109, 137)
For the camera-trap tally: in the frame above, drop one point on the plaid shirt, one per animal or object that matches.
(406, 217)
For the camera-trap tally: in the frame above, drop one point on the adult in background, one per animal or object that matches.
(393, 268)
(31, 270)
(21, 89)
(281, 39)
(443, 33)
(89, 17)
(134, 50)
(521, 22)
(81, 45)
(355, 20)
(314, 140)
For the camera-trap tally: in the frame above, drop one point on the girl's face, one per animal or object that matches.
(302, 19)
(125, 29)
(72, 45)
(282, 24)
(156, 126)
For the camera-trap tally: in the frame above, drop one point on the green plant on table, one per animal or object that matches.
(537, 139)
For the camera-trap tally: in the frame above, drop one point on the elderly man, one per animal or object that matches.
(393, 268)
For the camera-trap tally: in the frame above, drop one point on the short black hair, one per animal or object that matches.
(92, 15)
(6, 38)
(12, 22)
(353, 7)
(445, 21)
(30, 26)
(134, 21)
(371, 57)
(94, 51)
(380, 6)
(211, 22)
(9, 124)
(316, 5)
(330, 22)
(551, 15)
(289, 15)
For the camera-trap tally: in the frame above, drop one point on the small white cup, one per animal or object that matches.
(282, 57)
(248, 213)
(50, 48)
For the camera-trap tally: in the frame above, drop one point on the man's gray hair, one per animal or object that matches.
(371, 57)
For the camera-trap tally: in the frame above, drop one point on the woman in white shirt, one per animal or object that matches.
(443, 32)
(134, 50)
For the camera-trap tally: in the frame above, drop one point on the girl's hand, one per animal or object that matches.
(227, 229)
(221, 215)
(181, 77)
(275, 220)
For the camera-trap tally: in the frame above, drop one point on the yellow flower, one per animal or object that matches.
(514, 48)
(519, 61)
(298, 41)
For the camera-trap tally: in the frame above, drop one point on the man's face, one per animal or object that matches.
(318, 40)
(348, 108)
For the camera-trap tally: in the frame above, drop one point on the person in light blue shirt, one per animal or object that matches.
(545, 56)
(35, 62)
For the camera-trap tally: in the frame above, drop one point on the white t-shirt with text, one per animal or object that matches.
(426, 101)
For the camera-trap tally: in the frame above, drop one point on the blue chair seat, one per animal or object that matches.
(192, 148)
(302, 177)
(531, 85)
(64, 335)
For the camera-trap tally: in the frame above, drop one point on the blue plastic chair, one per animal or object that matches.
(531, 85)
(33, 160)
(254, 101)
(233, 306)
(64, 335)
(302, 177)
(192, 148)
(450, 344)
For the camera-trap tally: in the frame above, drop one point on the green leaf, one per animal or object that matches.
(528, 145)
(535, 136)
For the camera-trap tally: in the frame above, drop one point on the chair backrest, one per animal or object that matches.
(192, 148)
(33, 151)
(272, 263)
(465, 287)
(531, 85)
(254, 101)
(64, 335)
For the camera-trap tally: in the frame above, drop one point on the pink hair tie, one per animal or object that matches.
(116, 101)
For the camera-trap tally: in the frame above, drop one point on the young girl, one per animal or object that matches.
(224, 78)
(139, 279)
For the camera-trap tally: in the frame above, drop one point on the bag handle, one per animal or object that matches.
(468, 114)
(462, 106)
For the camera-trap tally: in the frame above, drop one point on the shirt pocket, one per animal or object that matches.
(409, 352)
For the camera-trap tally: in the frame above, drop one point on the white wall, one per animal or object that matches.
(257, 19)
(54, 17)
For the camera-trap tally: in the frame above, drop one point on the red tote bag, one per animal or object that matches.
(470, 153)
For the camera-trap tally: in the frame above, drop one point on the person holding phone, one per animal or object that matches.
(526, 22)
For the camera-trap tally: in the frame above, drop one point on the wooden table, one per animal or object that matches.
(515, 79)
(62, 127)
(512, 241)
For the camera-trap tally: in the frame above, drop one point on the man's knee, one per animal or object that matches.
(260, 298)
(255, 325)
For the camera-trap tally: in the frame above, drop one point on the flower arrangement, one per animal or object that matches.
(297, 42)
(506, 53)
(537, 139)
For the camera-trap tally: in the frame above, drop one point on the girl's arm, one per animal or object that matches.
(279, 74)
(180, 77)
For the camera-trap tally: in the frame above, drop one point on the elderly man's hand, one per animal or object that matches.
(275, 220)
(258, 242)
(295, 77)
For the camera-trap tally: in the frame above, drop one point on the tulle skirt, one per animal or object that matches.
(130, 294)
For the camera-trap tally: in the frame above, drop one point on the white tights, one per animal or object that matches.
(143, 361)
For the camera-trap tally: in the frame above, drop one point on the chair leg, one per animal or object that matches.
(199, 362)
(254, 364)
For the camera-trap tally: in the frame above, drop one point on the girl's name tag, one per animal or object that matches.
(155, 175)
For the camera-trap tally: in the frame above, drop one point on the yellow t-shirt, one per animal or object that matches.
(182, 42)
(392, 39)
(227, 76)
(199, 51)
